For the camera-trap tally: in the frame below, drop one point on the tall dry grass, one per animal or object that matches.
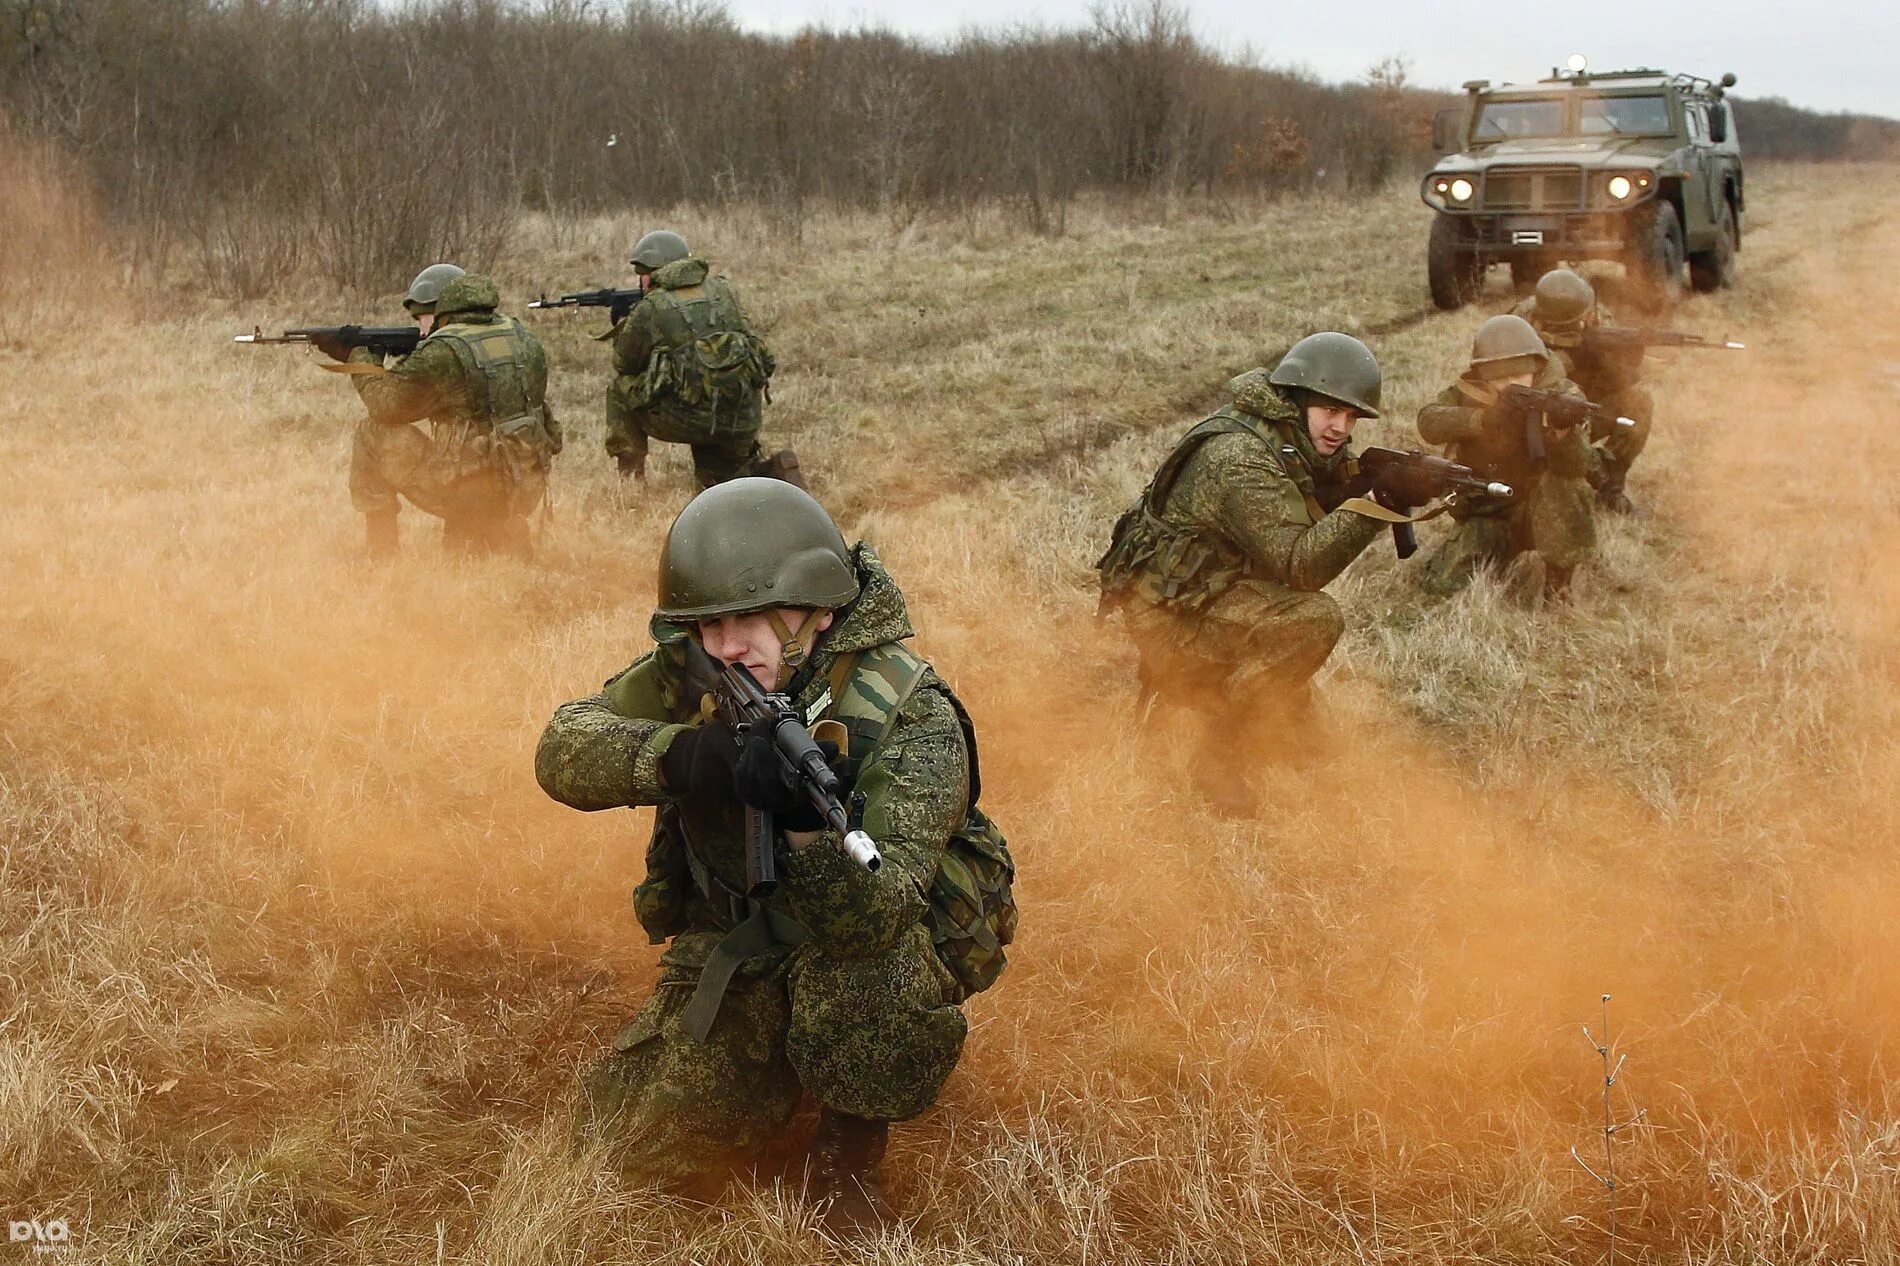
(298, 963)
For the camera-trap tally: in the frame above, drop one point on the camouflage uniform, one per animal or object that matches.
(836, 987)
(1611, 379)
(1218, 570)
(684, 304)
(480, 380)
(1551, 511)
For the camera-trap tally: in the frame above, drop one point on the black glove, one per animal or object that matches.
(765, 780)
(700, 762)
(331, 345)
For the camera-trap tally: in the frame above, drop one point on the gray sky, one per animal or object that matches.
(1828, 55)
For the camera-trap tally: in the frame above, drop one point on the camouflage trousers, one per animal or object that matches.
(872, 1036)
(483, 504)
(724, 446)
(1556, 520)
(1621, 445)
(1256, 644)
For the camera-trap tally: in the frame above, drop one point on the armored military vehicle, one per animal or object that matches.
(1638, 166)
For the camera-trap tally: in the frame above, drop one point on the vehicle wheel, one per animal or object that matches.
(1456, 275)
(1714, 269)
(1655, 255)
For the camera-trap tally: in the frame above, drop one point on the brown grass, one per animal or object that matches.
(298, 963)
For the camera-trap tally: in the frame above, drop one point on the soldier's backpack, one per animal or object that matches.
(972, 906)
(719, 363)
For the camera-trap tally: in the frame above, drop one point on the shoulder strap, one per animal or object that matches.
(1222, 423)
(867, 690)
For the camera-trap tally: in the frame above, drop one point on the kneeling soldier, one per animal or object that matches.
(841, 981)
(1563, 311)
(1218, 568)
(1549, 465)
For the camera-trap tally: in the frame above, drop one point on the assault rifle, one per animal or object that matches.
(1434, 476)
(1558, 410)
(384, 340)
(747, 707)
(617, 302)
(1630, 338)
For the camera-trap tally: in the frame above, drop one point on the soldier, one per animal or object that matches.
(480, 380)
(1218, 569)
(1551, 512)
(689, 370)
(1562, 311)
(845, 982)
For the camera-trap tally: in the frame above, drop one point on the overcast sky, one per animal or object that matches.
(1829, 55)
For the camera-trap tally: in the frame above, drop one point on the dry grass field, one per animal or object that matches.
(297, 964)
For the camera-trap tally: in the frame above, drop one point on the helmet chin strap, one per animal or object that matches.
(794, 648)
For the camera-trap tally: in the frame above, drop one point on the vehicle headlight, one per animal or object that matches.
(1621, 187)
(1460, 190)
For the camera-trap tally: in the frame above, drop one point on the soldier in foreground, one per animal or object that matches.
(1506, 417)
(1218, 568)
(1564, 311)
(689, 370)
(792, 968)
(480, 380)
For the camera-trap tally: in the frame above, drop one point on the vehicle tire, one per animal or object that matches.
(1655, 258)
(1714, 269)
(1456, 275)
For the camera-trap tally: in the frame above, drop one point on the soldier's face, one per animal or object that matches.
(1524, 379)
(749, 639)
(1330, 425)
(425, 321)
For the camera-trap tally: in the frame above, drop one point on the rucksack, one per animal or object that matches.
(972, 905)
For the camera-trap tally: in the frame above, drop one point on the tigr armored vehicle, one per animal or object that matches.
(1638, 166)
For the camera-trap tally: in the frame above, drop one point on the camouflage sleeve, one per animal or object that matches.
(1446, 420)
(634, 340)
(603, 752)
(916, 789)
(1262, 511)
(1569, 452)
(420, 384)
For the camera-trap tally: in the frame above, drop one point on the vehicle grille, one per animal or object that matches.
(1533, 189)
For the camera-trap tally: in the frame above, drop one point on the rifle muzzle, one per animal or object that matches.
(863, 850)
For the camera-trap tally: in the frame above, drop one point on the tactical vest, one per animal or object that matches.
(505, 403)
(705, 358)
(972, 909)
(1180, 565)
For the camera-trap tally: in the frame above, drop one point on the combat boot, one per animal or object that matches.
(781, 465)
(380, 537)
(847, 1180)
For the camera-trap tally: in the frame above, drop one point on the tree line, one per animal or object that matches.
(257, 138)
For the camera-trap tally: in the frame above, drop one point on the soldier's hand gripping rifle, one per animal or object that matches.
(1423, 477)
(617, 302)
(1631, 338)
(748, 709)
(1560, 411)
(337, 341)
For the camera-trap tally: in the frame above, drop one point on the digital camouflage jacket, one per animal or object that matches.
(911, 791)
(1243, 496)
(1600, 376)
(477, 374)
(1465, 420)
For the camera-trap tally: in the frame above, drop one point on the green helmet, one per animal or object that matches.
(1563, 300)
(427, 287)
(658, 249)
(1507, 345)
(1337, 366)
(750, 544)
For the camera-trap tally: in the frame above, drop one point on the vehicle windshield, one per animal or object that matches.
(1511, 120)
(1625, 116)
